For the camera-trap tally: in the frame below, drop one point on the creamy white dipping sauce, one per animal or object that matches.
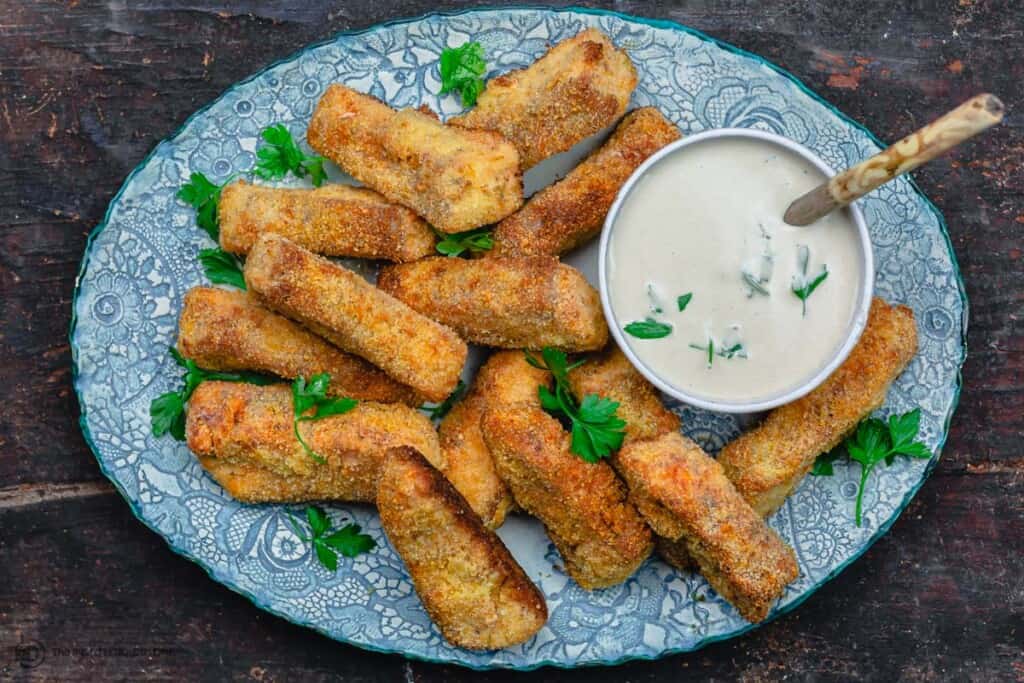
(707, 220)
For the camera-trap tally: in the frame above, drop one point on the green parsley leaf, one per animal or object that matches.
(438, 411)
(326, 544)
(801, 288)
(475, 241)
(462, 70)
(349, 542)
(221, 268)
(823, 464)
(280, 155)
(167, 411)
(203, 196)
(683, 301)
(596, 428)
(648, 329)
(312, 395)
(876, 441)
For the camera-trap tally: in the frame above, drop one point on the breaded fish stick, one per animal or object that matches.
(457, 179)
(506, 378)
(515, 302)
(740, 556)
(354, 315)
(335, 220)
(243, 435)
(581, 86)
(611, 375)
(228, 330)
(565, 215)
(767, 463)
(469, 583)
(582, 505)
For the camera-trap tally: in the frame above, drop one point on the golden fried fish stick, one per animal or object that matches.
(611, 375)
(515, 302)
(768, 462)
(674, 553)
(565, 215)
(740, 556)
(335, 220)
(244, 435)
(228, 330)
(457, 179)
(505, 378)
(581, 86)
(582, 505)
(469, 583)
(354, 315)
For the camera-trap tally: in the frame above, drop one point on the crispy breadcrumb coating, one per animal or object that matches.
(740, 556)
(515, 302)
(505, 378)
(570, 212)
(611, 375)
(767, 463)
(335, 220)
(470, 584)
(228, 330)
(243, 435)
(354, 315)
(582, 505)
(457, 179)
(579, 87)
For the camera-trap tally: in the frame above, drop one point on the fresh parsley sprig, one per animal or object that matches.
(876, 441)
(327, 543)
(203, 196)
(167, 411)
(476, 241)
(438, 411)
(596, 428)
(312, 395)
(280, 155)
(802, 287)
(222, 268)
(462, 70)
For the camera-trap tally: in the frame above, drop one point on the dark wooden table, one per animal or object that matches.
(86, 592)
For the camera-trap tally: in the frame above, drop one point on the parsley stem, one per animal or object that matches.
(316, 456)
(865, 472)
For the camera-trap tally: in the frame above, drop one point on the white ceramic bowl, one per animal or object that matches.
(855, 326)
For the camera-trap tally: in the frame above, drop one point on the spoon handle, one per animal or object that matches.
(970, 118)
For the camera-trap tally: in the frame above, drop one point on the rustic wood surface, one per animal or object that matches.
(87, 593)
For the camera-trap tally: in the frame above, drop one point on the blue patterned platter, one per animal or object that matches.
(142, 258)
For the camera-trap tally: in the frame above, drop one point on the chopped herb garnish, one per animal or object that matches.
(441, 409)
(167, 411)
(453, 244)
(222, 268)
(684, 301)
(736, 350)
(648, 329)
(281, 155)
(327, 544)
(462, 70)
(313, 396)
(655, 299)
(754, 284)
(597, 430)
(801, 287)
(876, 441)
(203, 196)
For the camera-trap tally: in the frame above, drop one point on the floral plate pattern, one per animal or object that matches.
(141, 260)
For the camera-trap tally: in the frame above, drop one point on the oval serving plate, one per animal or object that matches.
(141, 259)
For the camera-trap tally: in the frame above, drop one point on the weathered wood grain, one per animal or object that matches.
(86, 90)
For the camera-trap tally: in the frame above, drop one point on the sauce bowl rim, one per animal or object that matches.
(860, 312)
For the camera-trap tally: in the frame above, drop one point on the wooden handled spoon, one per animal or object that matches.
(970, 118)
